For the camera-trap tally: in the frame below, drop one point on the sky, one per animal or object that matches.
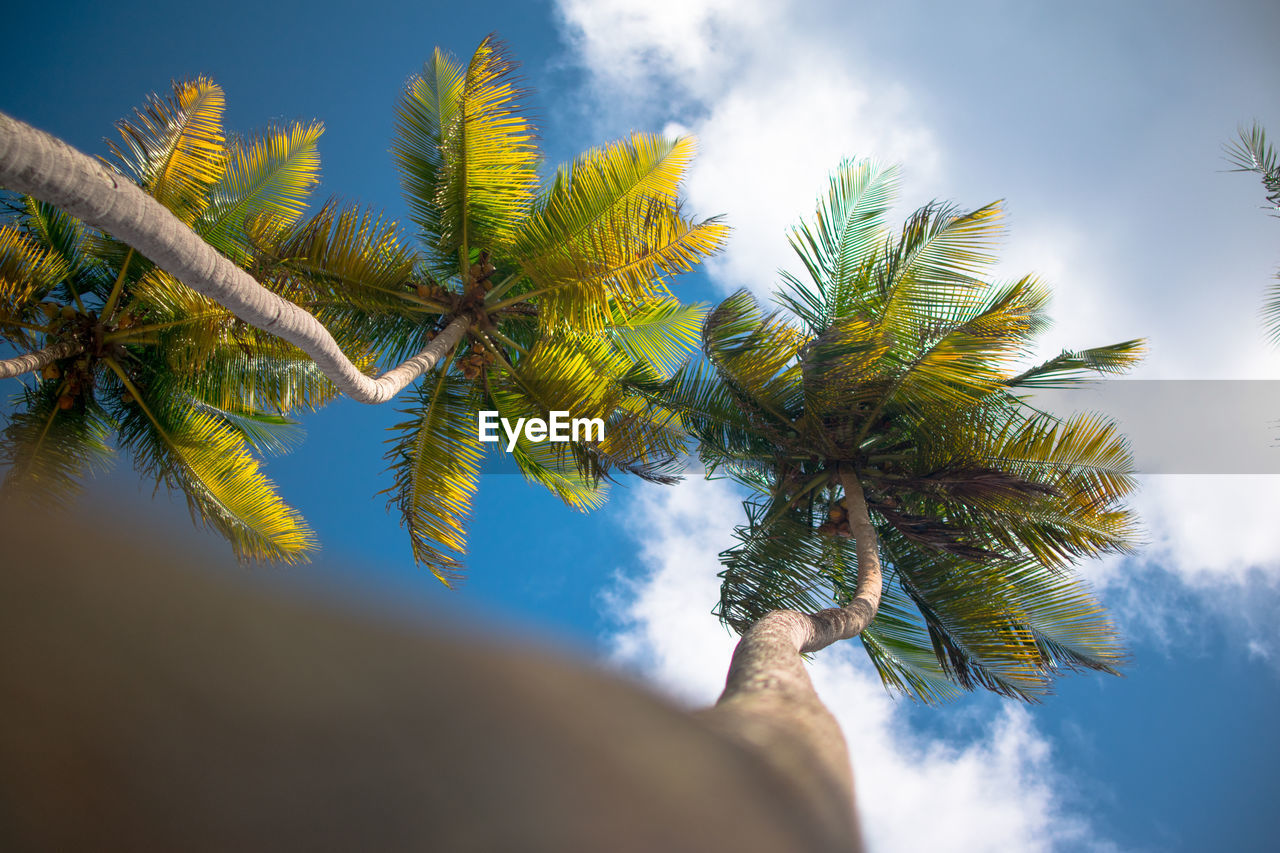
(1100, 125)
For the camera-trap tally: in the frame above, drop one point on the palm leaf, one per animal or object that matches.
(186, 447)
(662, 333)
(28, 272)
(267, 180)
(175, 148)
(472, 191)
(49, 450)
(847, 227)
(1070, 367)
(436, 463)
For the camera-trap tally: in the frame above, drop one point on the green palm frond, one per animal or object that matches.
(941, 254)
(755, 354)
(898, 645)
(466, 152)
(267, 181)
(1070, 367)
(554, 468)
(663, 333)
(28, 272)
(184, 446)
(1252, 152)
(847, 228)
(67, 238)
(256, 374)
(175, 147)
(973, 342)
(266, 433)
(427, 112)
(435, 459)
(49, 447)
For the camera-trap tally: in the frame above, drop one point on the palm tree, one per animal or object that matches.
(885, 405)
(126, 352)
(551, 297)
(556, 293)
(1253, 153)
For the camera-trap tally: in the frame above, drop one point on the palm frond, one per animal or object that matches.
(1252, 152)
(28, 272)
(622, 263)
(847, 227)
(663, 333)
(756, 356)
(435, 459)
(427, 112)
(267, 180)
(941, 254)
(482, 179)
(48, 449)
(1070, 367)
(175, 147)
(186, 447)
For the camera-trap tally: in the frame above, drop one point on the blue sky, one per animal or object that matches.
(1102, 128)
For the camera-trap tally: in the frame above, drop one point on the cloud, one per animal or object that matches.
(775, 109)
(778, 92)
(994, 787)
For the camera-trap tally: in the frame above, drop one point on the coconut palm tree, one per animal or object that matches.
(549, 297)
(127, 355)
(537, 299)
(1252, 152)
(905, 489)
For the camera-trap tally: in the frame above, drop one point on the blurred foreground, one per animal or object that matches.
(152, 701)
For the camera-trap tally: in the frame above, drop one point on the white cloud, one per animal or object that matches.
(778, 92)
(775, 108)
(1211, 529)
(997, 791)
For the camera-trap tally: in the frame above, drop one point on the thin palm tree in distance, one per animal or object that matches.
(1253, 152)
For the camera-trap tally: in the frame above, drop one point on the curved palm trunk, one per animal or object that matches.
(769, 700)
(39, 165)
(21, 364)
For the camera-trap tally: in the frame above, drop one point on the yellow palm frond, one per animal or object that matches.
(663, 333)
(428, 109)
(267, 180)
(755, 355)
(587, 192)
(436, 462)
(28, 272)
(941, 254)
(176, 148)
(623, 263)
(186, 447)
(467, 156)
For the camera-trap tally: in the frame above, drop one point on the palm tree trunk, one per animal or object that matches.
(769, 700)
(21, 364)
(39, 165)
